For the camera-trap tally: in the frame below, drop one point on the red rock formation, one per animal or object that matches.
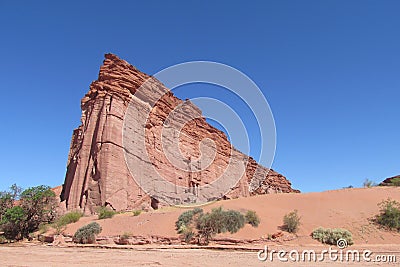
(97, 172)
(388, 181)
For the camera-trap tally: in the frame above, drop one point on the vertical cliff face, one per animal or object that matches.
(97, 170)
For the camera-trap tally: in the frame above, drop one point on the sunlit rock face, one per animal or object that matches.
(181, 147)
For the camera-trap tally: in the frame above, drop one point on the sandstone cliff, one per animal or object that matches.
(97, 171)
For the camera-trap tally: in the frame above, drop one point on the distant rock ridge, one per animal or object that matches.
(388, 181)
(97, 173)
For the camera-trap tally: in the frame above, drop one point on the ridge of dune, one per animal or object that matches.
(351, 209)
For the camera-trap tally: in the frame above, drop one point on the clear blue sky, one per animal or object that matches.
(329, 69)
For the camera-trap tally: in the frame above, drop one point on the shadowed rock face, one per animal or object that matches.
(97, 173)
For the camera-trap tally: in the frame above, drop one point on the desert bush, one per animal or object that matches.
(395, 181)
(252, 218)
(389, 214)
(218, 221)
(195, 223)
(6, 202)
(186, 218)
(331, 236)
(368, 183)
(291, 222)
(14, 223)
(37, 205)
(7, 199)
(87, 234)
(105, 213)
(70, 217)
(188, 234)
(61, 223)
(233, 221)
(137, 212)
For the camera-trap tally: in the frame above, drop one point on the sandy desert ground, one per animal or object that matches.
(352, 209)
(57, 256)
(346, 208)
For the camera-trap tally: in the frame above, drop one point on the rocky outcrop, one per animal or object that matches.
(97, 169)
(390, 181)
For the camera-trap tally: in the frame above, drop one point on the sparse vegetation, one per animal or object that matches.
(188, 235)
(395, 181)
(389, 216)
(14, 223)
(105, 213)
(203, 226)
(7, 199)
(36, 206)
(87, 234)
(70, 217)
(185, 219)
(136, 212)
(291, 222)
(331, 236)
(61, 223)
(252, 218)
(218, 221)
(368, 183)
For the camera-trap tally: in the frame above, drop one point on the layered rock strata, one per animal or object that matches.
(97, 169)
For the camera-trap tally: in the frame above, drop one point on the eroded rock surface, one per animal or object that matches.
(97, 171)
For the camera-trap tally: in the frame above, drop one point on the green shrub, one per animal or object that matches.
(395, 181)
(137, 212)
(218, 221)
(6, 202)
(331, 236)
(14, 223)
(389, 214)
(186, 218)
(232, 220)
(195, 223)
(70, 217)
(61, 223)
(291, 222)
(105, 213)
(188, 235)
(252, 218)
(87, 234)
(36, 206)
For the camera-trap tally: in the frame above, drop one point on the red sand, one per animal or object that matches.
(347, 208)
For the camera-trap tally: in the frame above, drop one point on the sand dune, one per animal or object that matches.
(346, 208)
